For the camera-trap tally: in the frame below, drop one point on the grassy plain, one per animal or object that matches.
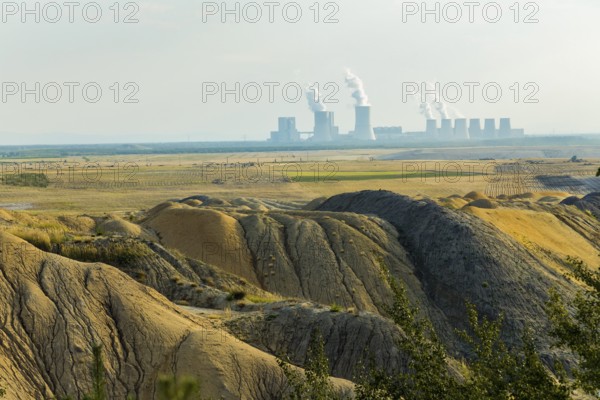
(129, 183)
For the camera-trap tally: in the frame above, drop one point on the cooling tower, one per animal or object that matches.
(475, 128)
(323, 126)
(505, 128)
(460, 129)
(490, 128)
(431, 130)
(363, 129)
(446, 131)
(287, 124)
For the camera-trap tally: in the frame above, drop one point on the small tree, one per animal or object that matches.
(427, 376)
(581, 331)
(98, 375)
(173, 388)
(498, 373)
(314, 383)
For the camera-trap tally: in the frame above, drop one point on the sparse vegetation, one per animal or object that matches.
(98, 377)
(580, 331)
(38, 238)
(109, 252)
(26, 179)
(313, 383)
(236, 295)
(496, 372)
(335, 308)
(174, 388)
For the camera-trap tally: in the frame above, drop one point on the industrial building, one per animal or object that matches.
(325, 129)
(287, 132)
(460, 129)
(363, 130)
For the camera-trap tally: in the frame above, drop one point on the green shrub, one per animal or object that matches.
(38, 238)
(313, 383)
(174, 388)
(335, 308)
(236, 295)
(496, 373)
(580, 331)
(26, 179)
(108, 252)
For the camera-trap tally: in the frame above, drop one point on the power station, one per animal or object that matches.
(460, 129)
(445, 129)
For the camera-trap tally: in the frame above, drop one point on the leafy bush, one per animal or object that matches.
(495, 374)
(313, 383)
(335, 308)
(581, 331)
(173, 388)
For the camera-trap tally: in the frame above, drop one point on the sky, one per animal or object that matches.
(156, 75)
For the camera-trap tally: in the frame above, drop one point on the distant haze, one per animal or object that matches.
(171, 52)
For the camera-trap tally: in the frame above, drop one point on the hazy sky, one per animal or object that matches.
(171, 52)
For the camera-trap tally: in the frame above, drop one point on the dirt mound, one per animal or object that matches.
(551, 235)
(143, 335)
(455, 203)
(117, 226)
(285, 329)
(193, 203)
(205, 234)
(6, 215)
(523, 196)
(314, 204)
(459, 257)
(570, 201)
(483, 203)
(476, 196)
(82, 224)
(549, 199)
(590, 203)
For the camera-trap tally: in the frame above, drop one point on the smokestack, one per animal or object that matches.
(475, 128)
(287, 124)
(431, 130)
(446, 130)
(490, 128)
(460, 129)
(505, 128)
(323, 126)
(363, 129)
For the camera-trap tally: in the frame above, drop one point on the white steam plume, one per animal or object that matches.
(358, 89)
(314, 100)
(442, 108)
(426, 110)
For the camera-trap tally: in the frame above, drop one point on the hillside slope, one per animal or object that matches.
(53, 309)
